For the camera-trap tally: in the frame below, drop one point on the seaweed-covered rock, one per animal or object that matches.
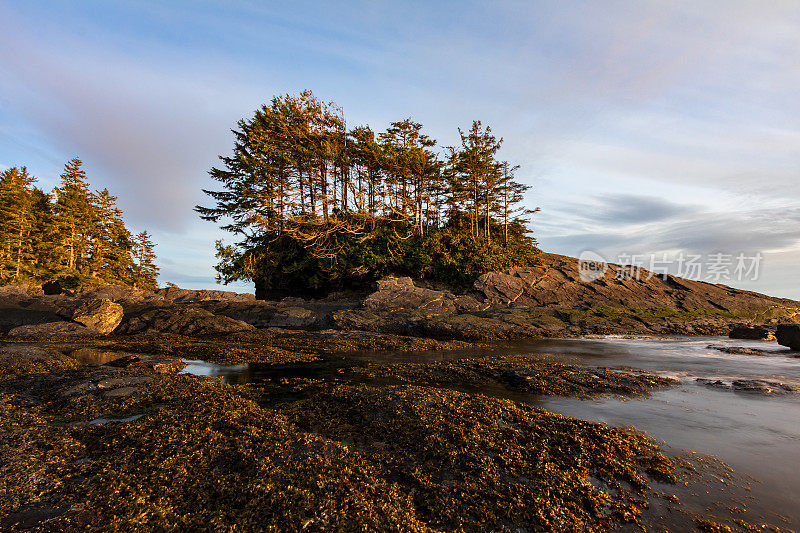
(25, 358)
(100, 315)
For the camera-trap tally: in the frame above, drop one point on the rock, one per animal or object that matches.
(739, 350)
(92, 356)
(758, 386)
(182, 320)
(119, 293)
(13, 317)
(293, 318)
(788, 335)
(395, 294)
(99, 315)
(751, 332)
(127, 381)
(556, 283)
(176, 294)
(23, 290)
(500, 289)
(120, 393)
(51, 328)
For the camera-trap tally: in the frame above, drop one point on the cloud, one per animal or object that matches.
(149, 131)
(634, 209)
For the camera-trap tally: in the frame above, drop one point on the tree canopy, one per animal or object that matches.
(73, 234)
(318, 206)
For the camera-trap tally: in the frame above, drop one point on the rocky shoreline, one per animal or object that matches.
(549, 300)
(101, 431)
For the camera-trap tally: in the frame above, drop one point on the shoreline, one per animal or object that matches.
(123, 443)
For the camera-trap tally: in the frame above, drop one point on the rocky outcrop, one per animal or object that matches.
(789, 335)
(99, 315)
(178, 295)
(397, 294)
(14, 317)
(294, 318)
(119, 293)
(51, 329)
(549, 299)
(181, 320)
(552, 300)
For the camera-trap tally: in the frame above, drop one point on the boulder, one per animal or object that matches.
(51, 328)
(100, 315)
(751, 332)
(789, 335)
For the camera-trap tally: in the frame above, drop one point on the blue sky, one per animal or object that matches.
(643, 127)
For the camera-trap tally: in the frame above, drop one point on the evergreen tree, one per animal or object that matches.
(16, 221)
(110, 239)
(72, 235)
(72, 216)
(305, 197)
(145, 270)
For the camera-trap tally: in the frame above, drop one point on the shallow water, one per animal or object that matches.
(757, 435)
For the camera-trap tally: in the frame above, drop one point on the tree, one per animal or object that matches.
(110, 240)
(474, 176)
(308, 200)
(72, 216)
(16, 219)
(145, 270)
(73, 235)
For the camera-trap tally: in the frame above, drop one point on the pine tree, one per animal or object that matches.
(43, 236)
(16, 221)
(72, 216)
(145, 270)
(110, 239)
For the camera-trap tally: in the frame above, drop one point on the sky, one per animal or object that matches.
(644, 128)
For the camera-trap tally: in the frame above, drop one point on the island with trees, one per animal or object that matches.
(317, 206)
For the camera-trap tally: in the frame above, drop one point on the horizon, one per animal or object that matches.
(662, 129)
